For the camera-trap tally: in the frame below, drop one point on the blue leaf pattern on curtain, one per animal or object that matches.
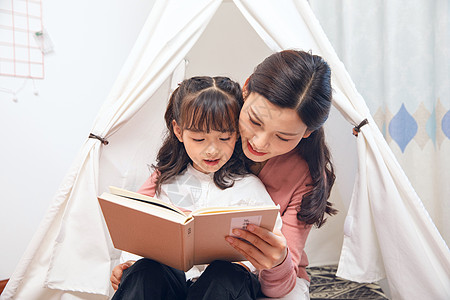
(398, 56)
(446, 124)
(403, 128)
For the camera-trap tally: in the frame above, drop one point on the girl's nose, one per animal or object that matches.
(211, 150)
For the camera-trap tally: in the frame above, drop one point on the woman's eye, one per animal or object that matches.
(284, 140)
(254, 122)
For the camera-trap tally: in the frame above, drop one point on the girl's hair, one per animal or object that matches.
(302, 81)
(201, 104)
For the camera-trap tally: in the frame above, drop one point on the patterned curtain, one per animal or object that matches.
(398, 54)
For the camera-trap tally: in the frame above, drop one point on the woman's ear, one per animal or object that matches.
(177, 131)
(307, 134)
(245, 89)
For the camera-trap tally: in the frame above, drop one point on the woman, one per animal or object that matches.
(287, 100)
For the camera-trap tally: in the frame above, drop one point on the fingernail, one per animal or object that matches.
(229, 240)
(250, 227)
(236, 232)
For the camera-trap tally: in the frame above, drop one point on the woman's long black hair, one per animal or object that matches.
(302, 81)
(205, 104)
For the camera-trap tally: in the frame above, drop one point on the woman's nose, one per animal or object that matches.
(260, 141)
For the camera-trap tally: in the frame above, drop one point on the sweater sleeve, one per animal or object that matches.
(280, 280)
(149, 186)
(287, 191)
(149, 189)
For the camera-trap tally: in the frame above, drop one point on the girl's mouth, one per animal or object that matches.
(210, 162)
(253, 151)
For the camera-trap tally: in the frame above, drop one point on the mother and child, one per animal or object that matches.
(239, 145)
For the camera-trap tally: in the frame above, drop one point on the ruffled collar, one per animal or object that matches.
(200, 175)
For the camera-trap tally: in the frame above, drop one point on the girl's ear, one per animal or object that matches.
(177, 130)
(245, 89)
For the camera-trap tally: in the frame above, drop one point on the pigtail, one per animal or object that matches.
(172, 158)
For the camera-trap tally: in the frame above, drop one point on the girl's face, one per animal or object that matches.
(268, 130)
(208, 151)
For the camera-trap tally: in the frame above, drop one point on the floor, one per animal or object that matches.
(325, 285)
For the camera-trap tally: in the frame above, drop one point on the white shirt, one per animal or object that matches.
(193, 190)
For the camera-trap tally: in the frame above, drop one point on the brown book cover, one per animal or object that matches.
(154, 229)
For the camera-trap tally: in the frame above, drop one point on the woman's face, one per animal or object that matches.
(268, 130)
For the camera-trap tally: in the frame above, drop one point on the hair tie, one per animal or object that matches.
(103, 140)
(357, 129)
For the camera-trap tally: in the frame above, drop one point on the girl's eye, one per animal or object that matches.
(198, 140)
(284, 140)
(225, 139)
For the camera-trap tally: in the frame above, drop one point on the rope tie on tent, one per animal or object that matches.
(103, 140)
(357, 129)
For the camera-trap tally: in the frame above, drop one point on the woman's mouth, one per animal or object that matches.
(211, 162)
(253, 151)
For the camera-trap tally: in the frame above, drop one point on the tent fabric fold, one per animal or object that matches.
(387, 233)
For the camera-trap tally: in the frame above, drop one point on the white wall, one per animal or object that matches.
(41, 135)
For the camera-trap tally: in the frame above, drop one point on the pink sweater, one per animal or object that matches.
(285, 178)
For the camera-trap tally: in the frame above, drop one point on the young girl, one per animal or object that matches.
(197, 166)
(287, 101)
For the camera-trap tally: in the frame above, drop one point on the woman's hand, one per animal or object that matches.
(117, 272)
(267, 249)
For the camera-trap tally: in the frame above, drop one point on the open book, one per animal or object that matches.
(154, 229)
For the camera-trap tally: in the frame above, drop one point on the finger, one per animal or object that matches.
(271, 240)
(127, 264)
(114, 284)
(266, 235)
(117, 273)
(252, 260)
(270, 254)
(115, 279)
(255, 240)
(115, 287)
(250, 252)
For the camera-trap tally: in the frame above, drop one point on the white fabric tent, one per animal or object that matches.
(387, 231)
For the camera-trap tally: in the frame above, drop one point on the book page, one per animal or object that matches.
(224, 209)
(147, 208)
(140, 197)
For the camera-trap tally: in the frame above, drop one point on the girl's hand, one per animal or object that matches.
(117, 272)
(267, 249)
